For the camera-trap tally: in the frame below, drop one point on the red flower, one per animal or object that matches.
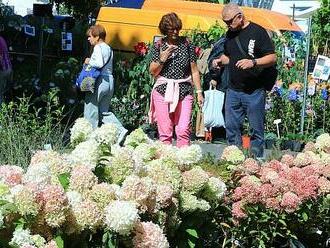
(198, 51)
(141, 49)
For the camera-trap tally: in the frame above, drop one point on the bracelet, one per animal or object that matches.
(199, 91)
(161, 62)
(254, 61)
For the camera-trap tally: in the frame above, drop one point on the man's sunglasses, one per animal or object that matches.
(230, 21)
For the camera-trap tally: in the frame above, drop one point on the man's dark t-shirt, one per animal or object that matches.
(256, 43)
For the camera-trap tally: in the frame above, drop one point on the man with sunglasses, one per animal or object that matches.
(247, 47)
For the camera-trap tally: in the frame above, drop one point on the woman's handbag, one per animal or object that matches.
(200, 128)
(87, 78)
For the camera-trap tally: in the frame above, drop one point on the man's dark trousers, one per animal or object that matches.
(238, 105)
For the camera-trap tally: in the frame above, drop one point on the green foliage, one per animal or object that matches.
(321, 29)
(80, 9)
(205, 39)
(26, 127)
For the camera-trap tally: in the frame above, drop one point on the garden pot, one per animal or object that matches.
(296, 146)
(246, 142)
(286, 145)
(270, 143)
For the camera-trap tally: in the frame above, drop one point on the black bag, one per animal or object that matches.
(267, 76)
(220, 75)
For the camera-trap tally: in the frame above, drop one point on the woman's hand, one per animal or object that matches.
(87, 61)
(163, 55)
(200, 99)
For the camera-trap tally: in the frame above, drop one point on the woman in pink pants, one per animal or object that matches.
(175, 70)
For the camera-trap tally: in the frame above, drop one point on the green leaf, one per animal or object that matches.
(64, 180)
(20, 223)
(191, 244)
(192, 232)
(304, 216)
(282, 222)
(59, 242)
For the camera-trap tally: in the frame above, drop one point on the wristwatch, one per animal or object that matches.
(254, 61)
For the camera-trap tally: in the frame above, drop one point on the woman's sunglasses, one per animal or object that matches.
(230, 21)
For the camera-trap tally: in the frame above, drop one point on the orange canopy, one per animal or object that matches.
(271, 20)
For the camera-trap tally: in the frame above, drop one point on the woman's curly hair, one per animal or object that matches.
(169, 21)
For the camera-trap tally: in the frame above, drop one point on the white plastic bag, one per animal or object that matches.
(212, 108)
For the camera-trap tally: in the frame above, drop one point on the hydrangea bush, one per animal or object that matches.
(132, 196)
(283, 201)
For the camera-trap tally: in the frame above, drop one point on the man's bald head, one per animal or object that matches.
(230, 10)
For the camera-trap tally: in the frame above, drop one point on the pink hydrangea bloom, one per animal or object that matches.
(82, 179)
(51, 244)
(250, 166)
(273, 203)
(324, 185)
(290, 202)
(267, 191)
(307, 188)
(149, 235)
(268, 175)
(11, 175)
(326, 171)
(313, 169)
(238, 211)
(164, 196)
(309, 146)
(287, 159)
(55, 205)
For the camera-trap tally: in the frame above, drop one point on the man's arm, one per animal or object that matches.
(265, 61)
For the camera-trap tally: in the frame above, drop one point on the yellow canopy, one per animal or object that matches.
(126, 27)
(268, 19)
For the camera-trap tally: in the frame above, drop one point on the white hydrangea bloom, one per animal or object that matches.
(144, 153)
(136, 137)
(190, 203)
(21, 237)
(39, 174)
(215, 189)
(121, 164)
(121, 216)
(190, 154)
(38, 240)
(80, 131)
(86, 153)
(74, 198)
(106, 134)
(233, 154)
(323, 142)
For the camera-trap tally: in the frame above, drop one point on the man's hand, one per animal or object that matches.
(216, 63)
(221, 61)
(244, 64)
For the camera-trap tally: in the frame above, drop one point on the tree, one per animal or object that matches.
(321, 29)
(80, 9)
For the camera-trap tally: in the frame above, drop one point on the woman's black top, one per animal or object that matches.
(177, 66)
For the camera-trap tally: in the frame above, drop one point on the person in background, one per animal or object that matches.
(5, 68)
(97, 104)
(175, 70)
(245, 95)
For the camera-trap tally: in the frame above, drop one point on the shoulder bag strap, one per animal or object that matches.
(240, 47)
(255, 70)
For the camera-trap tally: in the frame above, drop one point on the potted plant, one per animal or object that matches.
(293, 141)
(270, 140)
(246, 139)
